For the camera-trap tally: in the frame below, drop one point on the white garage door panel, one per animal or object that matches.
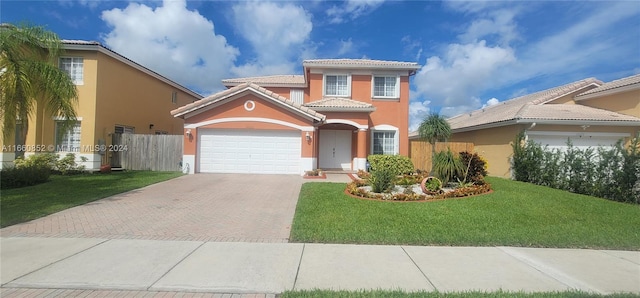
(249, 151)
(560, 142)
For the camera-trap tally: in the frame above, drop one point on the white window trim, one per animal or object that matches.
(58, 142)
(396, 95)
(78, 83)
(387, 128)
(324, 84)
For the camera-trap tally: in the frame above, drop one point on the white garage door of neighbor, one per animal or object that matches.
(581, 142)
(249, 151)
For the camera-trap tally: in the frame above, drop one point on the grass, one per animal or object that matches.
(61, 192)
(400, 294)
(515, 214)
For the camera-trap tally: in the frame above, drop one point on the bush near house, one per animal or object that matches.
(397, 164)
(602, 172)
(37, 168)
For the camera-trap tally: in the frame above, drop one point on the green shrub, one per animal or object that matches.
(381, 180)
(446, 166)
(68, 166)
(22, 176)
(41, 160)
(474, 168)
(611, 173)
(398, 164)
(433, 184)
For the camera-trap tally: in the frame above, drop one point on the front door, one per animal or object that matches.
(335, 149)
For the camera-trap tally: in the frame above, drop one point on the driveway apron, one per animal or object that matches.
(202, 207)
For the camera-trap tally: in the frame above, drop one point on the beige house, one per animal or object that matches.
(588, 112)
(116, 95)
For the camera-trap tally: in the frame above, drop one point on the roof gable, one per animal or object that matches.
(220, 97)
(616, 86)
(269, 81)
(340, 104)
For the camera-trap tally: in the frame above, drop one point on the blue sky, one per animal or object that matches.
(472, 53)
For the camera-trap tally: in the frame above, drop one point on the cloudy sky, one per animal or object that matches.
(472, 53)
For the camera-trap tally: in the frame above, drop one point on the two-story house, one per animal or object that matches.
(331, 117)
(115, 95)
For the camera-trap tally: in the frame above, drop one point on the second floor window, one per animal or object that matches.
(74, 67)
(385, 87)
(336, 85)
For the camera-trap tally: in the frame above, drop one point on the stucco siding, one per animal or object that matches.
(627, 103)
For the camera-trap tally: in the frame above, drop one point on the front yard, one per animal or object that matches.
(515, 214)
(61, 192)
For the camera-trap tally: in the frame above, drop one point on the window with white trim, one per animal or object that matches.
(386, 86)
(384, 142)
(174, 97)
(337, 85)
(70, 140)
(74, 67)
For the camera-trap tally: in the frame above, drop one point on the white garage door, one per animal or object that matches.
(249, 151)
(581, 141)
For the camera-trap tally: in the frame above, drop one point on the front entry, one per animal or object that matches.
(335, 149)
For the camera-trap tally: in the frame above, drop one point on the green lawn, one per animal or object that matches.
(62, 192)
(515, 214)
(400, 294)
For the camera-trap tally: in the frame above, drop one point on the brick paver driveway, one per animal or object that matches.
(203, 207)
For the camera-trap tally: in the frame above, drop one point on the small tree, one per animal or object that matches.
(434, 128)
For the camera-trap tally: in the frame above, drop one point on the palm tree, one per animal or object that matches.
(434, 128)
(30, 78)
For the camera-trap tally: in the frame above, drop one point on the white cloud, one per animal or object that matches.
(462, 72)
(498, 23)
(278, 33)
(412, 46)
(173, 41)
(351, 9)
(346, 47)
(491, 102)
(418, 111)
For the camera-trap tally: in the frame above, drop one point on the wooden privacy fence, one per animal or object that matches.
(420, 151)
(149, 152)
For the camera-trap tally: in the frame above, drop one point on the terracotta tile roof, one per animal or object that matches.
(573, 112)
(514, 108)
(215, 98)
(340, 103)
(360, 63)
(624, 82)
(268, 80)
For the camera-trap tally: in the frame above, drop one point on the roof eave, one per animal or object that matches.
(630, 123)
(339, 109)
(484, 126)
(286, 85)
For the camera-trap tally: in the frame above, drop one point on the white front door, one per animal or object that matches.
(335, 149)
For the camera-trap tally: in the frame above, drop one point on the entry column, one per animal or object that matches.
(361, 152)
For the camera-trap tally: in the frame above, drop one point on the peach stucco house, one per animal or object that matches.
(588, 112)
(331, 117)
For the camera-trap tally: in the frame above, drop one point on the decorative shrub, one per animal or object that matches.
(446, 166)
(68, 166)
(398, 164)
(408, 180)
(313, 173)
(610, 173)
(22, 176)
(363, 174)
(42, 160)
(381, 180)
(474, 166)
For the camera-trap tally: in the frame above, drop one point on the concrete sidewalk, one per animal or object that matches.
(68, 264)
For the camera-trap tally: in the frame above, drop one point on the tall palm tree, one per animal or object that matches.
(434, 128)
(30, 77)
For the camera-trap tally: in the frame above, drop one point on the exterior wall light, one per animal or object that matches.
(308, 136)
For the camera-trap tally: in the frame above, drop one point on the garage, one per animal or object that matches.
(581, 140)
(249, 151)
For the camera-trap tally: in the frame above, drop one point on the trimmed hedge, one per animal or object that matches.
(398, 164)
(23, 176)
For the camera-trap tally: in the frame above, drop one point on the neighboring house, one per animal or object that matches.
(116, 95)
(331, 117)
(587, 112)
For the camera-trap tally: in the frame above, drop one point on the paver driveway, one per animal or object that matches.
(203, 207)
